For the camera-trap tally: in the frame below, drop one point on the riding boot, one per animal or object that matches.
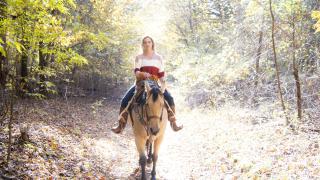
(172, 119)
(122, 121)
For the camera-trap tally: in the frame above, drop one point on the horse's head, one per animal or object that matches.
(154, 106)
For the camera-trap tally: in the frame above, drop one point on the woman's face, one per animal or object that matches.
(147, 44)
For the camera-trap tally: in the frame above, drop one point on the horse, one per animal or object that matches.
(149, 119)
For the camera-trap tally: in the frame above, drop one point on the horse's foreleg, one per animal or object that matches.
(156, 148)
(149, 147)
(140, 143)
(142, 162)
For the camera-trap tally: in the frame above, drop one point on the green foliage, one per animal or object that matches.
(316, 16)
(59, 36)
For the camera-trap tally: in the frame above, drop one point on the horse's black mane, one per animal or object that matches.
(155, 93)
(155, 90)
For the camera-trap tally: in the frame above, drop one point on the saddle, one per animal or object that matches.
(140, 95)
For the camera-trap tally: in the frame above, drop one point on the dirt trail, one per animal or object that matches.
(73, 139)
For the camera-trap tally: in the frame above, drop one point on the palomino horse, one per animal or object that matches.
(149, 120)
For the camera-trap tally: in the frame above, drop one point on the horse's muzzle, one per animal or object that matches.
(154, 131)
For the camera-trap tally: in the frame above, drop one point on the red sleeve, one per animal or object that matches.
(161, 74)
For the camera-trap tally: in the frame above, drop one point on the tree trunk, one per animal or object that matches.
(42, 65)
(23, 70)
(296, 70)
(3, 66)
(3, 59)
(257, 75)
(276, 63)
(10, 129)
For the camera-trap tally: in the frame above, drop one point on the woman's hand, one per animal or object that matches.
(142, 75)
(147, 75)
(139, 75)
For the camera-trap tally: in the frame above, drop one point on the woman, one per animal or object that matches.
(147, 64)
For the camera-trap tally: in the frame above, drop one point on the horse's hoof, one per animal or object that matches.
(153, 175)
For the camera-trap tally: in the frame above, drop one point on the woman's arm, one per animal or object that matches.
(162, 76)
(137, 66)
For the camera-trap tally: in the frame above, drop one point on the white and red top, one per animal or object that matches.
(153, 65)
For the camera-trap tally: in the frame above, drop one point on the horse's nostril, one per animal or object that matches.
(154, 131)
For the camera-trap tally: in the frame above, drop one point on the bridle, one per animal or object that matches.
(153, 116)
(144, 117)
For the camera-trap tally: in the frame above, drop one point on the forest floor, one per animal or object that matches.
(73, 139)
